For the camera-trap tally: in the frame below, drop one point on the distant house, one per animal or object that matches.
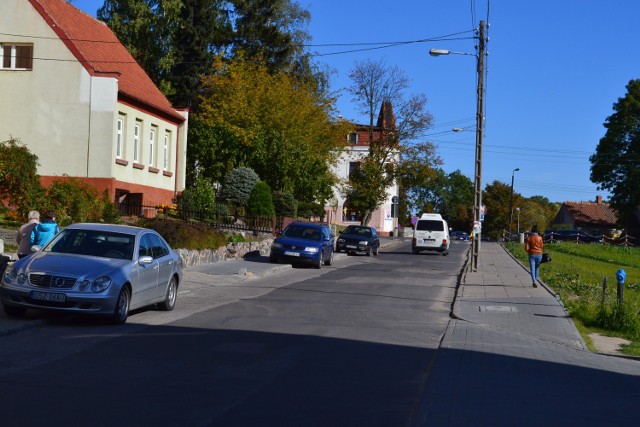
(342, 212)
(78, 100)
(592, 217)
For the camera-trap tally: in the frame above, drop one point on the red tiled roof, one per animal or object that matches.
(590, 213)
(101, 53)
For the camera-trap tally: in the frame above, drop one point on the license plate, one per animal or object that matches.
(46, 296)
(351, 247)
(287, 253)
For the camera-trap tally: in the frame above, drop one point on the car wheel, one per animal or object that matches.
(375, 250)
(445, 253)
(318, 264)
(273, 259)
(122, 308)
(415, 251)
(368, 252)
(13, 311)
(172, 293)
(329, 260)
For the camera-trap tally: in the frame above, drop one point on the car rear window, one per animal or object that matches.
(432, 225)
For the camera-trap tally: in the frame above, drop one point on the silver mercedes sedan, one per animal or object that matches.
(99, 269)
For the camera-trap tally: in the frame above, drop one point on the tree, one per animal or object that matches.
(274, 124)
(238, 185)
(615, 166)
(261, 202)
(19, 180)
(496, 198)
(377, 86)
(174, 41)
(273, 30)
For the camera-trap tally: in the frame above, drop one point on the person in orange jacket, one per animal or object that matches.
(534, 246)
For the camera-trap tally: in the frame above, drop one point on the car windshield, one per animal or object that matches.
(303, 232)
(92, 242)
(361, 231)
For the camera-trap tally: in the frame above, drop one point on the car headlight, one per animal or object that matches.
(341, 240)
(311, 249)
(22, 279)
(84, 285)
(363, 242)
(10, 274)
(101, 283)
(276, 245)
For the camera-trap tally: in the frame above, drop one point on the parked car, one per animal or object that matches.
(304, 243)
(459, 235)
(97, 269)
(358, 238)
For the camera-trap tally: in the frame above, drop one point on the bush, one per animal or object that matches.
(76, 201)
(260, 203)
(186, 235)
(197, 201)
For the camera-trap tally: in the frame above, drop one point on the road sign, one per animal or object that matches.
(395, 199)
(414, 220)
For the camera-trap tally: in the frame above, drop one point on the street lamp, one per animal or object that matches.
(477, 202)
(518, 209)
(511, 201)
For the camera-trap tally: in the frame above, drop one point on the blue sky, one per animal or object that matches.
(555, 69)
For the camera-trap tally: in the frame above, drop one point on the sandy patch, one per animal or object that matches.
(607, 345)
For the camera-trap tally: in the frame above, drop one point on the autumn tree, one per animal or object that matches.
(378, 87)
(275, 124)
(615, 166)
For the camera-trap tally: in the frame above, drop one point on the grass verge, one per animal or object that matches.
(584, 276)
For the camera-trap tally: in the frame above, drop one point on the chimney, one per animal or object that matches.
(599, 200)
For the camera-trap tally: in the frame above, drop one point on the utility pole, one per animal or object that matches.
(477, 204)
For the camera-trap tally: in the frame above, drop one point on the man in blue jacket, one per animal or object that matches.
(46, 230)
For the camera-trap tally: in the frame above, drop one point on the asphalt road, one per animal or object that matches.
(348, 345)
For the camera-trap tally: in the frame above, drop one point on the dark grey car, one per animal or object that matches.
(358, 238)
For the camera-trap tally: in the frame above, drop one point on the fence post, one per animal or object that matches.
(604, 287)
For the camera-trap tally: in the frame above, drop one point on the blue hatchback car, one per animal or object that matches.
(304, 243)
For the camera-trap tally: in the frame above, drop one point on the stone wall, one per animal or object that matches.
(236, 250)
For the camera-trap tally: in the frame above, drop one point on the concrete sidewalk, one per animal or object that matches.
(512, 356)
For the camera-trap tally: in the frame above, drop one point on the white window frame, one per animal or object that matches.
(13, 55)
(152, 140)
(165, 163)
(119, 132)
(136, 141)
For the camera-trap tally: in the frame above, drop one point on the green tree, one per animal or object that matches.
(615, 166)
(275, 125)
(173, 40)
(285, 204)
(378, 87)
(496, 198)
(238, 185)
(197, 200)
(261, 202)
(75, 201)
(274, 30)
(19, 180)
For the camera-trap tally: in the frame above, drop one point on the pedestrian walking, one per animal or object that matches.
(46, 230)
(23, 237)
(534, 246)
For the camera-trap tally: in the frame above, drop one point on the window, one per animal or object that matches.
(136, 142)
(17, 56)
(165, 163)
(152, 140)
(353, 137)
(353, 167)
(119, 130)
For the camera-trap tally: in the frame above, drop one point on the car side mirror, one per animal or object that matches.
(145, 260)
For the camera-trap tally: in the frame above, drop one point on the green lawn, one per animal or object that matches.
(577, 273)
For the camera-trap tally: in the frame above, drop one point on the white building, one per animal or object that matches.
(341, 212)
(78, 100)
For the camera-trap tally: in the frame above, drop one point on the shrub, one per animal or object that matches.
(186, 235)
(197, 201)
(19, 181)
(260, 203)
(76, 201)
(238, 185)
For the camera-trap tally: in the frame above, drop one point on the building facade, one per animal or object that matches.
(80, 102)
(340, 211)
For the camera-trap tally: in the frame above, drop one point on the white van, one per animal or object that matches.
(431, 233)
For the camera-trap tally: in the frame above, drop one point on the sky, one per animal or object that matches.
(554, 70)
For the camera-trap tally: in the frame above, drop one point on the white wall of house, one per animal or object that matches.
(69, 119)
(381, 218)
(48, 107)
